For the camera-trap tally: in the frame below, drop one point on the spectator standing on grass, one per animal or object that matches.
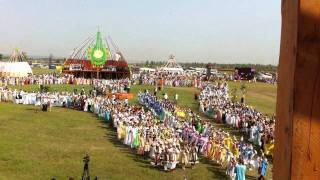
(176, 97)
(129, 87)
(155, 91)
(165, 96)
(240, 171)
(126, 101)
(82, 91)
(230, 168)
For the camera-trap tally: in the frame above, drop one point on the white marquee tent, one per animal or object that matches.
(16, 66)
(171, 66)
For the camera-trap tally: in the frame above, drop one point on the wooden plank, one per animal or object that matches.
(283, 131)
(297, 147)
(306, 126)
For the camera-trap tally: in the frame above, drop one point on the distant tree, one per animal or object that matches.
(50, 59)
(1, 56)
(152, 63)
(147, 63)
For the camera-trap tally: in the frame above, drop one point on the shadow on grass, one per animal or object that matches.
(216, 169)
(111, 136)
(35, 109)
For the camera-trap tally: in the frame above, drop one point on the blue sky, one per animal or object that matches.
(222, 31)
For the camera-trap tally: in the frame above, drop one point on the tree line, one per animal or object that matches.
(257, 67)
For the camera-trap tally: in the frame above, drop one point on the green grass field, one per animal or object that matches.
(262, 96)
(38, 71)
(53, 143)
(42, 145)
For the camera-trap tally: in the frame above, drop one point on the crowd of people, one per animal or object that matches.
(169, 136)
(215, 102)
(46, 79)
(213, 143)
(168, 79)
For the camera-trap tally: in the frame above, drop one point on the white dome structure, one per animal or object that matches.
(171, 66)
(16, 66)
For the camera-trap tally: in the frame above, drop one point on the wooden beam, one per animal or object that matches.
(297, 145)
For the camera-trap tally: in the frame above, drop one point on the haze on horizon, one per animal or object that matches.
(229, 31)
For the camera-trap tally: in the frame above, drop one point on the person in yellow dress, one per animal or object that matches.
(223, 157)
(123, 131)
(269, 147)
(236, 152)
(211, 150)
(184, 157)
(119, 129)
(228, 142)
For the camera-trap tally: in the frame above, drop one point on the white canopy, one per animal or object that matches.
(171, 66)
(147, 69)
(171, 69)
(15, 69)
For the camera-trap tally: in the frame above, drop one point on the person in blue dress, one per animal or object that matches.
(107, 116)
(263, 168)
(240, 170)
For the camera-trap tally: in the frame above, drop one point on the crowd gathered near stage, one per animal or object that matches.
(158, 129)
(168, 79)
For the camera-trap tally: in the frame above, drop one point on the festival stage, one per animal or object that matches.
(83, 68)
(95, 58)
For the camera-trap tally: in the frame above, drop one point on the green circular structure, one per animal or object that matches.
(99, 53)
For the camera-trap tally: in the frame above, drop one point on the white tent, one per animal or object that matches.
(171, 69)
(171, 66)
(16, 67)
(146, 69)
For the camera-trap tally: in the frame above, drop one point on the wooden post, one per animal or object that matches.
(297, 143)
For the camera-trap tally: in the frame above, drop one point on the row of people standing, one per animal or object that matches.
(213, 143)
